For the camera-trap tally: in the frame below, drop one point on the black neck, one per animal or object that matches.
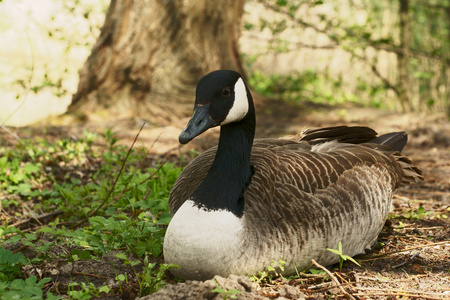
(230, 173)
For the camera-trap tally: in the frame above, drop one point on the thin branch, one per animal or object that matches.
(125, 188)
(386, 82)
(298, 21)
(299, 44)
(146, 179)
(338, 284)
(115, 181)
(412, 52)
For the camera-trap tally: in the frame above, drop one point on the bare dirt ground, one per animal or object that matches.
(412, 259)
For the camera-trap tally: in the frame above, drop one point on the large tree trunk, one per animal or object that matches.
(151, 53)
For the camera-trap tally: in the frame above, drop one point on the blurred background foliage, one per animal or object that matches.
(350, 51)
(387, 54)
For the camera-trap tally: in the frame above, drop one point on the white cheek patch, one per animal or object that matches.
(240, 105)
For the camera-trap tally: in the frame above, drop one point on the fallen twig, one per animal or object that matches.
(382, 255)
(37, 218)
(311, 287)
(345, 282)
(13, 134)
(315, 276)
(407, 261)
(333, 278)
(396, 294)
(91, 275)
(405, 293)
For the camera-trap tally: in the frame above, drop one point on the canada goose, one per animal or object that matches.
(239, 206)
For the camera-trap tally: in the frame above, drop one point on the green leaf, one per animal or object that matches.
(334, 251)
(120, 277)
(18, 284)
(314, 271)
(50, 296)
(104, 289)
(30, 168)
(352, 260)
(121, 255)
(421, 210)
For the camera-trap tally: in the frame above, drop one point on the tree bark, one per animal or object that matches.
(151, 53)
(403, 56)
(447, 70)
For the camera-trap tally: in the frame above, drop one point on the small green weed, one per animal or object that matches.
(271, 272)
(417, 215)
(342, 256)
(151, 279)
(226, 294)
(86, 290)
(317, 272)
(412, 214)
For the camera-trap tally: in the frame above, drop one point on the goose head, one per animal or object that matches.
(222, 98)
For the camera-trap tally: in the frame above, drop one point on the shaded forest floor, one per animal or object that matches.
(412, 259)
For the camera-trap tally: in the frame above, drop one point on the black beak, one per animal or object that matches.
(199, 123)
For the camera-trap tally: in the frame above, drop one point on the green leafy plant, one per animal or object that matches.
(151, 278)
(317, 272)
(342, 256)
(10, 264)
(16, 176)
(412, 214)
(225, 294)
(419, 214)
(84, 290)
(272, 271)
(29, 288)
(103, 197)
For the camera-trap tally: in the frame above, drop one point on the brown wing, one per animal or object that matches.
(191, 177)
(290, 162)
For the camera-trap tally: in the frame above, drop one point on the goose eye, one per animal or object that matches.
(226, 92)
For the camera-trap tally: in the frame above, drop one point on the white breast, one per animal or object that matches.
(206, 241)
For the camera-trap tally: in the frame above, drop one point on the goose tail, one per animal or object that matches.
(389, 142)
(395, 140)
(411, 173)
(342, 134)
